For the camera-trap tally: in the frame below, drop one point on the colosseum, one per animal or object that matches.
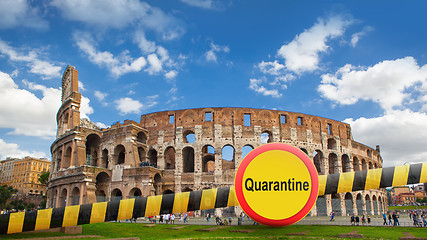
(194, 149)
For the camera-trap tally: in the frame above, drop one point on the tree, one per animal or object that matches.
(44, 177)
(5, 193)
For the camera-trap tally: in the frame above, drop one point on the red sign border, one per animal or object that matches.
(314, 183)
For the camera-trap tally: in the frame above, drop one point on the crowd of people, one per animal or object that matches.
(419, 218)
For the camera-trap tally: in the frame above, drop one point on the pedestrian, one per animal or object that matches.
(385, 219)
(229, 220)
(363, 220)
(357, 220)
(397, 218)
(352, 220)
(185, 218)
(172, 218)
(332, 216)
(161, 219)
(389, 219)
(369, 219)
(208, 217)
(217, 220)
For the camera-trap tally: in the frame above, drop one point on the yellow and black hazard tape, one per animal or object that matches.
(197, 200)
(372, 179)
(117, 210)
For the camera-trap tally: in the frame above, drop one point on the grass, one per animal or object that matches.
(121, 230)
(405, 207)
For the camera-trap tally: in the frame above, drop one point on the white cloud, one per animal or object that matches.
(400, 134)
(155, 64)
(128, 105)
(19, 13)
(37, 66)
(100, 95)
(120, 14)
(211, 54)
(302, 53)
(145, 45)
(385, 82)
(101, 125)
(36, 116)
(255, 84)
(171, 74)
(85, 108)
(206, 4)
(13, 150)
(356, 36)
(272, 68)
(117, 65)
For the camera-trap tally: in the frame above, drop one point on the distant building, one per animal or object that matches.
(23, 174)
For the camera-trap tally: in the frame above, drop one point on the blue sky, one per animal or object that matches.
(362, 62)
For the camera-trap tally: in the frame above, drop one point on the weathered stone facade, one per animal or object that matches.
(193, 149)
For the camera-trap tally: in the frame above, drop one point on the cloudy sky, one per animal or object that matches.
(361, 62)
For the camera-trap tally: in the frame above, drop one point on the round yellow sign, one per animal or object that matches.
(276, 184)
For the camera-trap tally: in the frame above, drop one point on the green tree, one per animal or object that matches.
(5, 193)
(44, 177)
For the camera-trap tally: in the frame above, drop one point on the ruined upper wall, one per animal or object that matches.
(229, 117)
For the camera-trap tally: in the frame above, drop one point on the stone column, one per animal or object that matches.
(218, 167)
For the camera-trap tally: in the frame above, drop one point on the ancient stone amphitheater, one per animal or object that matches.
(194, 149)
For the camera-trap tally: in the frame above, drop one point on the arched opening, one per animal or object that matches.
(157, 184)
(119, 153)
(208, 159)
(246, 149)
(135, 193)
(346, 166)
(102, 178)
(359, 204)
(100, 196)
(168, 191)
(141, 156)
(336, 203)
(187, 189)
(104, 158)
(141, 138)
(65, 122)
(368, 204)
(116, 195)
(152, 157)
(228, 157)
(348, 201)
(266, 137)
(188, 161)
(58, 161)
(369, 153)
(332, 144)
(170, 158)
(356, 164)
(364, 165)
(380, 205)
(375, 205)
(333, 160)
(318, 161)
(54, 198)
(92, 147)
(63, 198)
(321, 206)
(371, 166)
(75, 196)
(189, 137)
(375, 165)
(67, 158)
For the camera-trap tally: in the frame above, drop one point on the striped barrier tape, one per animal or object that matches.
(197, 200)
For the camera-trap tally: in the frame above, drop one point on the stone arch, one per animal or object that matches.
(67, 157)
(92, 147)
(375, 165)
(157, 184)
(359, 204)
(102, 178)
(141, 155)
(336, 203)
(58, 160)
(119, 154)
(54, 198)
(348, 202)
(332, 144)
(346, 165)
(152, 157)
(75, 196)
(63, 198)
(100, 195)
(116, 195)
(188, 159)
(369, 153)
(189, 136)
(228, 157)
(375, 205)
(170, 158)
(356, 164)
(380, 205)
(168, 191)
(102, 184)
(368, 204)
(246, 149)
(318, 161)
(208, 159)
(187, 189)
(65, 122)
(266, 137)
(321, 206)
(135, 193)
(104, 162)
(333, 160)
(371, 166)
(364, 165)
(141, 138)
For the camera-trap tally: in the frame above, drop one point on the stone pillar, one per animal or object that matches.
(328, 204)
(342, 204)
(218, 167)
(178, 169)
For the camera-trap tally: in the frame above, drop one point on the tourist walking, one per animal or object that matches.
(186, 218)
(385, 219)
